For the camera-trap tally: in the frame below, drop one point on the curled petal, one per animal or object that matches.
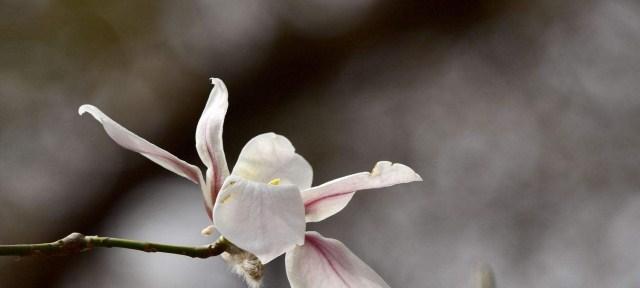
(271, 156)
(133, 142)
(209, 141)
(329, 198)
(263, 219)
(324, 262)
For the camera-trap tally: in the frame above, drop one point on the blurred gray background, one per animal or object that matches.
(523, 118)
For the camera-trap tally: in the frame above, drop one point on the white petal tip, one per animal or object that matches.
(266, 258)
(402, 172)
(85, 108)
(93, 110)
(215, 81)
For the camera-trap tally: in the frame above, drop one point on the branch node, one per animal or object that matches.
(73, 243)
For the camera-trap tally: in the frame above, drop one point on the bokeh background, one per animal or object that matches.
(523, 118)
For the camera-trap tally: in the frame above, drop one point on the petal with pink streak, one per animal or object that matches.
(323, 262)
(133, 142)
(329, 198)
(209, 140)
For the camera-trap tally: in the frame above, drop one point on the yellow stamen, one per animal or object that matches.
(275, 181)
(225, 199)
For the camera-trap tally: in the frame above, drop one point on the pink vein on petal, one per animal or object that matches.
(316, 245)
(314, 201)
(214, 167)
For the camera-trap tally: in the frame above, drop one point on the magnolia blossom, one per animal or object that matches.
(263, 205)
(264, 158)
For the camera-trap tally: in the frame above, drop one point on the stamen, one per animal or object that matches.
(275, 181)
(208, 230)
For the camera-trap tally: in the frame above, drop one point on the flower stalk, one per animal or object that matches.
(76, 243)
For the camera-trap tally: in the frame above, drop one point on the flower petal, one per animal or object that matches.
(324, 262)
(329, 198)
(133, 142)
(271, 156)
(263, 219)
(209, 140)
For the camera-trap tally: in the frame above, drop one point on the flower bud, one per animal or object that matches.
(245, 265)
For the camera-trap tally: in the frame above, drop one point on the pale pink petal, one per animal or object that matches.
(133, 142)
(323, 262)
(263, 219)
(271, 156)
(209, 141)
(329, 198)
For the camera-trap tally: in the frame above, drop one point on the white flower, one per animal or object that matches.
(262, 207)
(275, 214)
